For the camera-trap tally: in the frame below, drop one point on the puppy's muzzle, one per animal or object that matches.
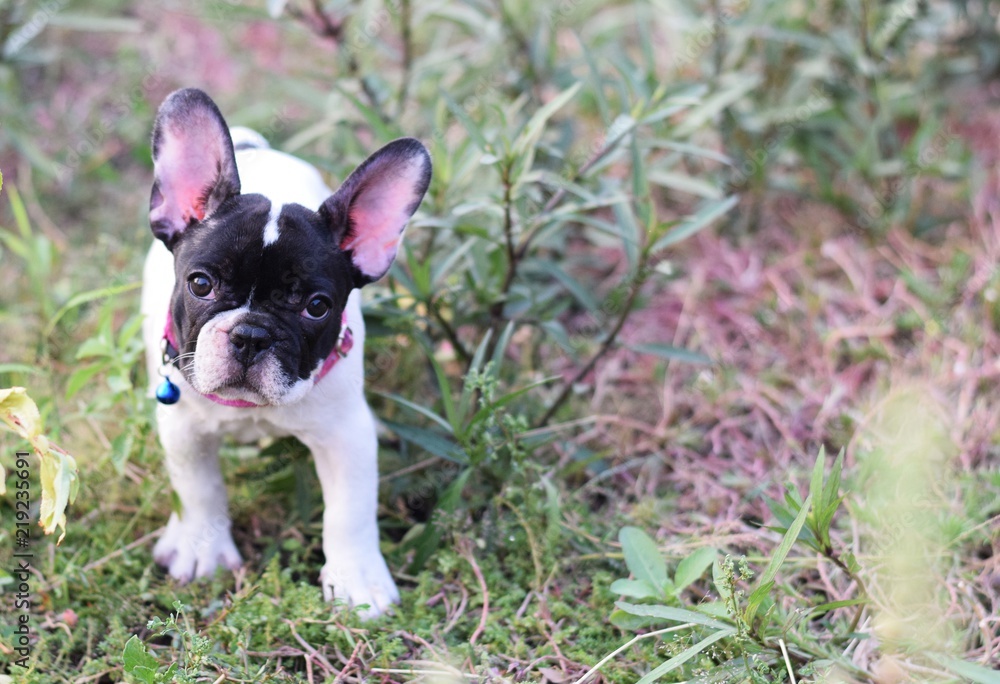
(249, 343)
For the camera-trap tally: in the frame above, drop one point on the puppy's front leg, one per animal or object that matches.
(346, 456)
(198, 540)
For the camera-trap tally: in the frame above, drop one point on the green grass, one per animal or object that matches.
(671, 253)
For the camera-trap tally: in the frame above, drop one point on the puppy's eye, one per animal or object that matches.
(200, 285)
(317, 308)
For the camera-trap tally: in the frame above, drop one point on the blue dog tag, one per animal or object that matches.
(167, 392)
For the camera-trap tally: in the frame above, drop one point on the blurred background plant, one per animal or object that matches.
(669, 252)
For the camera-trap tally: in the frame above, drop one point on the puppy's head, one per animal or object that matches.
(260, 288)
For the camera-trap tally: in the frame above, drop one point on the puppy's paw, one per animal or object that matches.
(195, 548)
(360, 579)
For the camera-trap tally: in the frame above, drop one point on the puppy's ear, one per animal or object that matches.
(193, 164)
(369, 211)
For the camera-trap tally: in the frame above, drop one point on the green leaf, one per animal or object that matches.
(20, 213)
(643, 558)
(685, 183)
(596, 78)
(95, 346)
(485, 411)
(429, 540)
(966, 670)
(580, 292)
(135, 656)
(557, 332)
(627, 228)
(671, 614)
(693, 567)
(553, 511)
(816, 482)
(465, 401)
(380, 128)
(719, 580)
(430, 441)
(819, 521)
(533, 129)
(851, 562)
(693, 150)
(831, 492)
(84, 297)
(640, 187)
(716, 609)
(20, 368)
(422, 410)
(776, 560)
(758, 595)
(446, 266)
(119, 382)
(708, 213)
(420, 271)
(463, 118)
(633, 588)
(689, 97)
(735, 87)
(80, 377)
(131, 330)
(793, 500)
(834, 605)
(146, 675)
(783, 514)
(685, 655)
(16, 245)
(627, 621)
(445, 388)
(501, 348)
(670, 352)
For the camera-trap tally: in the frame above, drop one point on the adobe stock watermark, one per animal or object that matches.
(707, 33)
(876, 207)
(488, 87)
(30, 29)
(277, 122)
(561, 12)
(898, 16)
(757, 159)
(616, 134)
(123, 106)
(22, 557)
(362, 34)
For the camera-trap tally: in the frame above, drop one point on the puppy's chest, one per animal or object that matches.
(249, 429)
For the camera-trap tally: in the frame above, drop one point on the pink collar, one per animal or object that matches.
(344, 344)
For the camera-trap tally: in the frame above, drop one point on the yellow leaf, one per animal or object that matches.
(59, 485)
(20, 413)
(58, 468)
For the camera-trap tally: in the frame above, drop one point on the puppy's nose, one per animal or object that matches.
(249, 342)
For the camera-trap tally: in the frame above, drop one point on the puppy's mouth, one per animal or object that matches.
(241, 389)
(252, 368)
(236, 383)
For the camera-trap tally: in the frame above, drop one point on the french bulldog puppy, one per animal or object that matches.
(252, 314)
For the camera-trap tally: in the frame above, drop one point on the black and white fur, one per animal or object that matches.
(274, 246)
